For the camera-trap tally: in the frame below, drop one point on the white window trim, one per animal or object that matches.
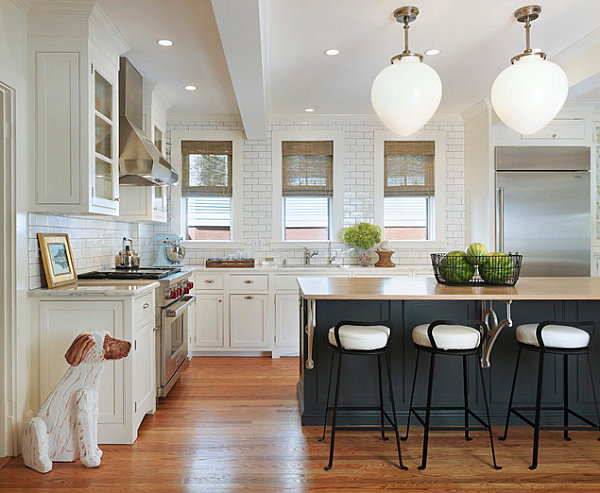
(439, 201)
(177, 218)
(337, 201)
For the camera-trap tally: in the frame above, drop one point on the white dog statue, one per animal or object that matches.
(66, 426)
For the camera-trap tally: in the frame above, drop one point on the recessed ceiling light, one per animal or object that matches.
(332, 52)
(433, 52)
(309, 110)
(165, 42)
(190, 88)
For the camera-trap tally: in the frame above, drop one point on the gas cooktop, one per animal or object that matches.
(141, 273)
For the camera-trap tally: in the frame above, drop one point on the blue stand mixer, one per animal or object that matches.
(170, 251)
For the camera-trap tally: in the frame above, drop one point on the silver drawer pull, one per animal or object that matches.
(208, 281)
(249, 281)
(248, 297)
(145, 305)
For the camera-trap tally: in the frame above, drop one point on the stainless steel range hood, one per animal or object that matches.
(140, 162)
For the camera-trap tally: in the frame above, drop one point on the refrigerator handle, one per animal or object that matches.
(500, 219)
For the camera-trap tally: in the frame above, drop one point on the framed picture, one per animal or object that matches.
(57, 259)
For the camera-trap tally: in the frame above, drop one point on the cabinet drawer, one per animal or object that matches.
(143, 309)
(248, 283)
(208, 281)
(560, 129)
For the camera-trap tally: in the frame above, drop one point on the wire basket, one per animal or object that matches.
(473, 270)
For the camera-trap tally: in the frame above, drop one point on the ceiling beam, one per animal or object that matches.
(239, 24)
(581, 63)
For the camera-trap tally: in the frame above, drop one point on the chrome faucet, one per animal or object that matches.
(331, 258)
(308, 255)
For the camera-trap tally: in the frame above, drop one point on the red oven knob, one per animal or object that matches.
(173, 294)
(186, 290)
(179, 291)
(190, 285)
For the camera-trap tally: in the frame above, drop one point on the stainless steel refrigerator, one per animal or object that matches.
(543, 208)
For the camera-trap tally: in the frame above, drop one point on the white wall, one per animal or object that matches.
(95, 240)
(358, 184)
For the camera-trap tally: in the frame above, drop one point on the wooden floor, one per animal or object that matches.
(232, 424)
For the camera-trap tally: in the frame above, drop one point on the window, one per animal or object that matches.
(408, 189)
(307, 189)
(207, 189)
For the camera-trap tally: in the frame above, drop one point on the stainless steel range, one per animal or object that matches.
(173, 299)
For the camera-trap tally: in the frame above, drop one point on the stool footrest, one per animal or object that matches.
(484, 425)
(590, 424)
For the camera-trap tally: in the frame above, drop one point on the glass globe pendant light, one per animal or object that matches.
(530, 93)
(406, 94)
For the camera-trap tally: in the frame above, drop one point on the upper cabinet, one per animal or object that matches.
(74, 65)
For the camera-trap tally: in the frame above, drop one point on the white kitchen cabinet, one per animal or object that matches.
(287, 320)
(208, 321)
(248, 321)
(148, 204)
(128, 386)
(561, 129)
(60, 323)
(73, 93)
(144, 371)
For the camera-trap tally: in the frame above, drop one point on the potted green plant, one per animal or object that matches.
(363, 236)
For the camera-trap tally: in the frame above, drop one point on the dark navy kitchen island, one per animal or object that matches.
(408, 302)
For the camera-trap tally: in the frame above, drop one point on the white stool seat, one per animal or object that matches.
(361, 337)
(447, 337)
(553, 336)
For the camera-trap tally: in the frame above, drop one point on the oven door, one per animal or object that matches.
(174, 337)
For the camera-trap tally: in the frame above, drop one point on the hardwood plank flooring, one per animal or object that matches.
(232, 424)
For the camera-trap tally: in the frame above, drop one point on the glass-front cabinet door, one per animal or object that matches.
(105, 179)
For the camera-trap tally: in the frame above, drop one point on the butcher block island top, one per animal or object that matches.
(427, 288)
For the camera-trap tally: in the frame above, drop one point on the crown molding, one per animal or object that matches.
(107, 30)
(483, 106)
(24, 5)
(63, 7)
(304, 119)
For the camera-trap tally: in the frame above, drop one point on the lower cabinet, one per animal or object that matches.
(208, 321)
(144, 372)
(128, 387)
(248, 320)
(287, 320)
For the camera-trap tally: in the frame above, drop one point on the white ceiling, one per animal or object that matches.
(477, 39)
(196, 57)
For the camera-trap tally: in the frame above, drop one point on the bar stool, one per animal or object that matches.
(552, 337)
(361, 339)
(447, 337)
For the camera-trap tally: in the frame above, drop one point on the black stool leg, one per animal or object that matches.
(380, 397)
(335, 406)
(512, 394)
(538, 403)
(487, 413)
(466, 395)
(594, 391)
(328, 392)
(566, 397)
(427, 413)
(389, 376)
(412, 394)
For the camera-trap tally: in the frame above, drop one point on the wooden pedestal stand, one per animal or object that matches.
(385, 258)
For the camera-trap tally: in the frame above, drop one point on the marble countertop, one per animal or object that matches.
(100, 287)
(427, 288)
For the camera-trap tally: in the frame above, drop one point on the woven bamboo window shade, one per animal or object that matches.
(206, 168)
(409, 168)
(307, 168)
